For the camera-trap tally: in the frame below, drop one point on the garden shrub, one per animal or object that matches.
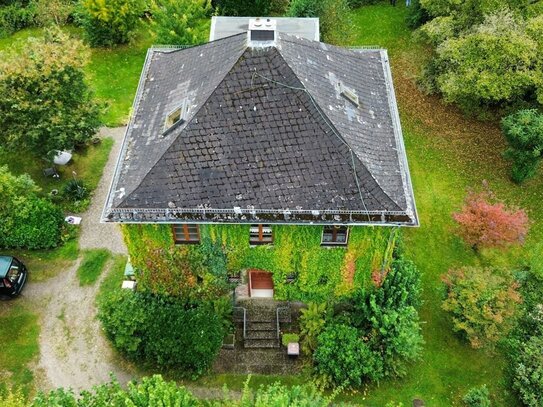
(477, 397)
(45, 103)
(343, 358)
(287, 338)
(485, 222)
(28, 221)
(312, 323)
(524, 133)
(110, 22)
(164, 332)
(75, 190)
(49, 12)
(482, 302)
(12, 398)
(149, 392)
(528, 371)
(384, 322)
(178, 22)
(525, 344)
(16, 16)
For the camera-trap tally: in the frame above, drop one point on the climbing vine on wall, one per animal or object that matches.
(302, 269)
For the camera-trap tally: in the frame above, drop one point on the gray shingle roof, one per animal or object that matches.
(268, 138)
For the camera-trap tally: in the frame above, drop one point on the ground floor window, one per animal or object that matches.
(260, 234)
(186, 234)
(335, 235)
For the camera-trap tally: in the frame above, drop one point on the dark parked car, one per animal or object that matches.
(13, 275)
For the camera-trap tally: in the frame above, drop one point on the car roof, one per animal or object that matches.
(5, 262)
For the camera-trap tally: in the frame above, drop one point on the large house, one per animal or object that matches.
(284, 152)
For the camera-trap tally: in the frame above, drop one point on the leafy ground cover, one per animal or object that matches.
(92, 265)
(19, 338)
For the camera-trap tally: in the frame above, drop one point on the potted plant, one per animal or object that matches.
(292, 342)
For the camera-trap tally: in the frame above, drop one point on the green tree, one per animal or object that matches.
(45, 104)
(27, 220)
(179, 22)
(524, 133)
(334, 16)
(163, 331)
(490, 65)
(482, 302)
(528, 372)
(110, 22)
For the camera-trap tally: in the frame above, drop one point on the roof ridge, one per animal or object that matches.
(204, 102)
(338, 134)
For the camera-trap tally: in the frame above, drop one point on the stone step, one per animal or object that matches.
(268, 334)
(261, 343)
(261, 326)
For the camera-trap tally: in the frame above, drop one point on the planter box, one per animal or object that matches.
(229, 341)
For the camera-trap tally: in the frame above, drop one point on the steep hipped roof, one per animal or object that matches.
(268, 137)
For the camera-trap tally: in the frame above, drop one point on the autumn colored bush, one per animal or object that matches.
(482, 302)
(484, 222)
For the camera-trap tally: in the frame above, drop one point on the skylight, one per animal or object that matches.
(177, 115)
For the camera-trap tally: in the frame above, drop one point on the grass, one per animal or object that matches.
(87, 163)
(92, 265)
(19, 339)
(114, 278)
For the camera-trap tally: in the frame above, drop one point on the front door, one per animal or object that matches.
(260, 284)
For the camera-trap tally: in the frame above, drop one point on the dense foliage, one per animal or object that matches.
(477, 397)
(312, 323)
(178, 22)
(161, 331)
(45, 103)
(486, 51)
(484, 223)
(525, 345)
(110, 22)
(374, 335)
(16, 15)
(334, 17)
(27, 220)
(252, 8)
(200, 270)
(524, 133)
(482, 302)
(155, 391)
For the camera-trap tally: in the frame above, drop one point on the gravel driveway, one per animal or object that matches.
(73, 351)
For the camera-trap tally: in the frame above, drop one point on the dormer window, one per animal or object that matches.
(348, 93)
(176, 116)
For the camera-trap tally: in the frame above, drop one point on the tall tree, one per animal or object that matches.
(45, 104)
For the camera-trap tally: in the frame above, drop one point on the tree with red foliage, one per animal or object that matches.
(485, 222)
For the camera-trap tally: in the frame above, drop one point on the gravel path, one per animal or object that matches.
(94, 234)
(73, 350)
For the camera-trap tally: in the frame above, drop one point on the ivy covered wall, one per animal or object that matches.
(200, 270)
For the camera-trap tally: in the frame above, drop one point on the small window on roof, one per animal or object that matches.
(177, 115)
(349, 93)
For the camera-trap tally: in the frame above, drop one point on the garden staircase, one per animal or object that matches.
(263, 322)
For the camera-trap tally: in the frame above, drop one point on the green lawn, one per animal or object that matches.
(19, 339)
(92, 265)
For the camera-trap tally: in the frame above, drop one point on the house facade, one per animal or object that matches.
(267, 157)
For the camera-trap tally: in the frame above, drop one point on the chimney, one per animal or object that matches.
(262, 32)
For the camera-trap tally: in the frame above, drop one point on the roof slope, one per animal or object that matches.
(268, 137)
